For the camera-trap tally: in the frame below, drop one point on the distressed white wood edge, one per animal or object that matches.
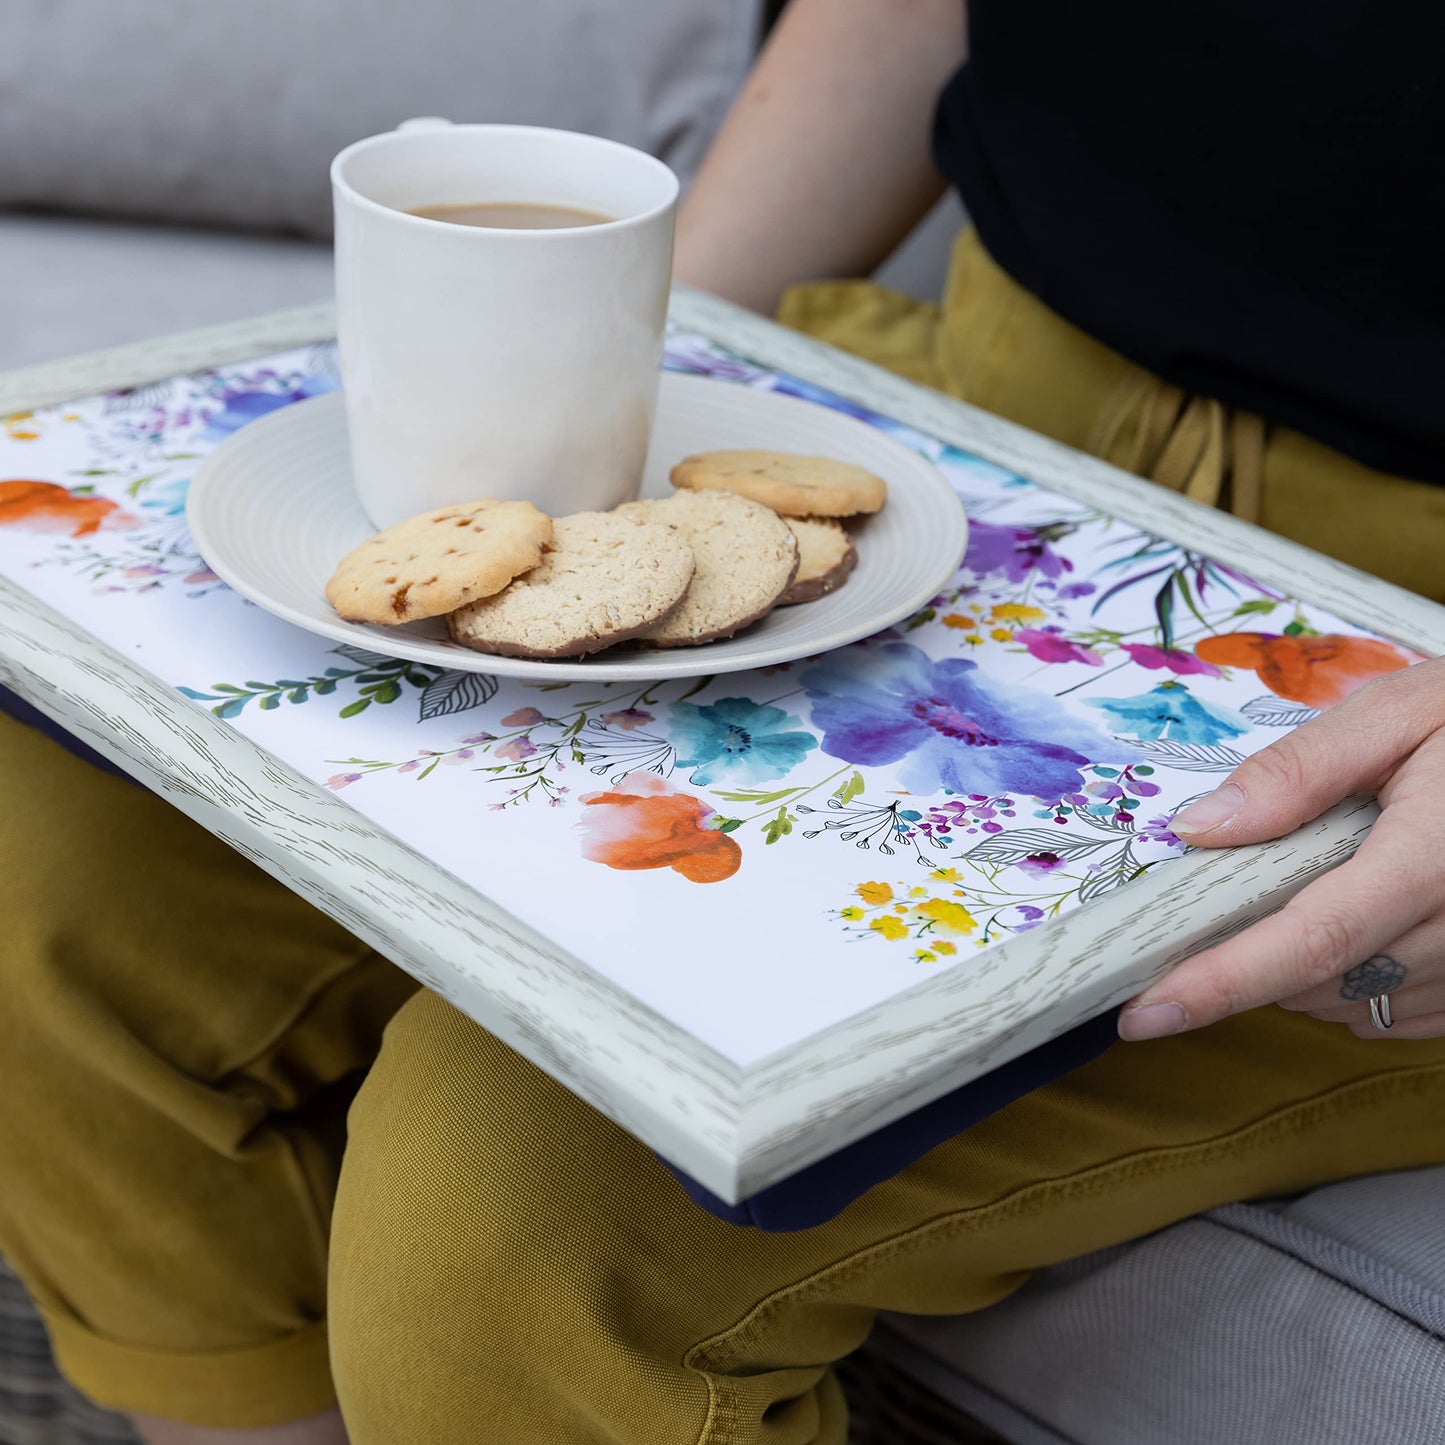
(119, 367)
(736, 1131)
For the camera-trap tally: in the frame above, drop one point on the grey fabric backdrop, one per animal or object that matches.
(194, 111)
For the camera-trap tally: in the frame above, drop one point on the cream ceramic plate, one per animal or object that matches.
(273, 510)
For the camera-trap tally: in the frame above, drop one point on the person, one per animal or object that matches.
(1201, 251)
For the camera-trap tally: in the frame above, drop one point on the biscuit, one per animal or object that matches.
(826, 555)
(746, 559)
(434, 563)
(794, 486)
(606, 578)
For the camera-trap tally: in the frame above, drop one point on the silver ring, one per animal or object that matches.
(1380, 1012)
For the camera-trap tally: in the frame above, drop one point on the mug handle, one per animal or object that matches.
(425, 122)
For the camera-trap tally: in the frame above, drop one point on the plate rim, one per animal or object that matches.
(640, 666)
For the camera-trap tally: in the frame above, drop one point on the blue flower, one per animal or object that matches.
(246, 404)
(745, 739)
(950, 726)
(169, 498)
(1171, 710)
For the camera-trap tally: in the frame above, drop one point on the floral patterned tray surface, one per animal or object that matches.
(758, 856)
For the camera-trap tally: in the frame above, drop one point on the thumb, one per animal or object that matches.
(1352, 748)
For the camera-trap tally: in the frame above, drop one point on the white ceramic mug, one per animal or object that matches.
(483, 362)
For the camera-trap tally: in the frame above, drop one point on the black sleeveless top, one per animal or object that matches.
(1246, 197)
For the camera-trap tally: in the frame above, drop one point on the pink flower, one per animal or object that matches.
(204, 575)
(517, 750)
(1052, 647)
(627, 719)
(1172, 658)
(524, 717)
(339, 780)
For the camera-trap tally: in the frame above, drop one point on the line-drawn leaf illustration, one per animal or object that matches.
(1189, 757)
(140, 398)
(322, 360)
(457, 692)
(361, 656)
(1113, 872)
(1277, 712)
(1014, 847)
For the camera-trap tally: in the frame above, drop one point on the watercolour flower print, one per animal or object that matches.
(949, 726)
(1015, 750)
(739, 740)
(1171, 710)
(1317, 671)
(644, 822)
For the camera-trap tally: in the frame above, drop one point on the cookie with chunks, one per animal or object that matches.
(792, 485)
(607, 578)
(746, 558)
(826, 555)
(434, 563)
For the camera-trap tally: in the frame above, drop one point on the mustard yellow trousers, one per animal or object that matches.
(181, 1039)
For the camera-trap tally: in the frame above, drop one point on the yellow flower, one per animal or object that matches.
(918, 893)
(852, 914)
(900, 908)
(922, 955)
(944, 947)
(1000, 634)
(974, 640)
(71, 416)
(1017, 612)
(945, 875)
(889, 927)
(956, 619)
(874, 894)
(951, 916)
(16, 435)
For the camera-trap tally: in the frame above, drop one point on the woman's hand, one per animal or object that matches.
(1372, 926)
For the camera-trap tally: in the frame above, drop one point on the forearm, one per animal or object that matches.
(824, 164)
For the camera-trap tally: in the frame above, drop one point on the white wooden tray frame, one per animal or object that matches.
(736, 1130)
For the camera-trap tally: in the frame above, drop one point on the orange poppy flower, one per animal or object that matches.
(1317, 671)
(48, 507)
(644, 822)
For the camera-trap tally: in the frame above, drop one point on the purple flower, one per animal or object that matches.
(950, 726)
(340, 780)
(1017, 552)
(1040, 865)
(1157, 830)
(1071, 590)
(517, 750)
(627, 718)
(1173, 658)
(1049, 646)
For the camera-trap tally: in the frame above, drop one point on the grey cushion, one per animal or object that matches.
(78, 285)
(229, 114)
(1317, 1322)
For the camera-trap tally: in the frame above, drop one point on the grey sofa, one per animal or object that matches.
(167, 170)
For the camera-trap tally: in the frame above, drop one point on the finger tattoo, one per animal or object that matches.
(1375, 976)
